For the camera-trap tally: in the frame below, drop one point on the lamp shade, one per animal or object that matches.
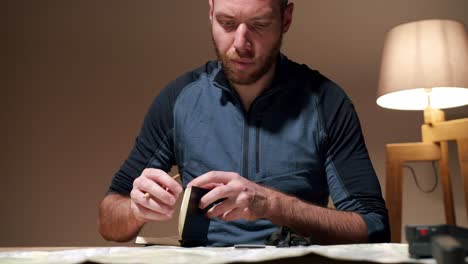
(424, 63)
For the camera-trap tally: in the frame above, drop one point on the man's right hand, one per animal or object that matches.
(163, 191)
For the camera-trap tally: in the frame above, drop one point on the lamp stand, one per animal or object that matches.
(436, 132)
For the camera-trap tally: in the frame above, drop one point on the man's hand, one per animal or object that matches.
(163, 192)
(243, 198)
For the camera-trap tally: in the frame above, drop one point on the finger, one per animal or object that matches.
(221, 208)
(151, 204)
(237, 213)
(212, 177)
(156, 191)
(224, 191)
(164, 180)
(211, 185)
(147, 215)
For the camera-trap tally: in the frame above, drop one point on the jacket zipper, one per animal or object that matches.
(257, 146)
(246, 147)
(245, 162)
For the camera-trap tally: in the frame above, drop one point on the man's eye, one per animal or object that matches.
(258, 26)
(227, 24)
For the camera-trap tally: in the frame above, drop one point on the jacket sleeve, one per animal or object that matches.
(351, 178)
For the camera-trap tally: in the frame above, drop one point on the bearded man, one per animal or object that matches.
(270, 138)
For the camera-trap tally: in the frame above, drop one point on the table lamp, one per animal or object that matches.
(425, 67)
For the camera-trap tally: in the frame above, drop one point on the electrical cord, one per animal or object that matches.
(436, 176)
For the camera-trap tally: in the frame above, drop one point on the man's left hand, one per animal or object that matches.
(243, 199)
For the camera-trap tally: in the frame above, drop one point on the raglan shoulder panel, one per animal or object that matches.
(154, 145)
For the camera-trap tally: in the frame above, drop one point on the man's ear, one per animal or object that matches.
(211, 10)
(287, 17)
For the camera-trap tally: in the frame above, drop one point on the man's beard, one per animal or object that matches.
(229, 68)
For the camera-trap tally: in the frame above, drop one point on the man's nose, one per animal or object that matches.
(242, 42)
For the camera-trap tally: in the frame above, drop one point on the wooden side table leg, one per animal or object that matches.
(462, 145)
(444, 169)
(393, 193)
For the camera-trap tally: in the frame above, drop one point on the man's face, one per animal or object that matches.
(247, 35)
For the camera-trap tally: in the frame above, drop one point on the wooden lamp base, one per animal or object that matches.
(436, 132)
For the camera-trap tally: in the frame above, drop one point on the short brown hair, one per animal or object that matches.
(283, 5)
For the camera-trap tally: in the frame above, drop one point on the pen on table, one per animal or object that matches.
(175, 177)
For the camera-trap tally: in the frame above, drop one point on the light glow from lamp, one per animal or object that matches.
(424, 63)
(416, 99)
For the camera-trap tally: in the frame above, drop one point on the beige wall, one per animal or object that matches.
(81, 74)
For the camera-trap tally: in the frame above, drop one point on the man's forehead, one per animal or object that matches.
(246, 7)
